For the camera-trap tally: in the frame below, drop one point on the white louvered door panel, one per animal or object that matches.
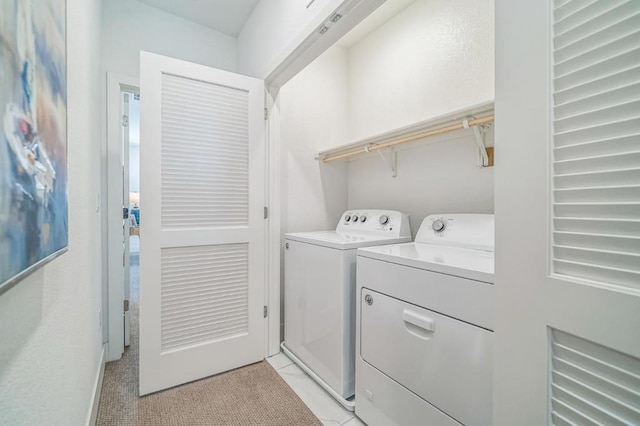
(592, 384)
(205, 155)
(567, 213)
(202, 264)
(596, 170)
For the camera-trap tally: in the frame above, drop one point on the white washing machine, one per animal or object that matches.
(424, 326)
(320, 295)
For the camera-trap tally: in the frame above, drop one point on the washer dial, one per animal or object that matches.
(384, 219)
(438, 225)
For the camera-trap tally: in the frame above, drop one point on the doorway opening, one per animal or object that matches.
(123, 230)
(131, 187)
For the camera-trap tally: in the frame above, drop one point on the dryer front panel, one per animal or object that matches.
(444, 361)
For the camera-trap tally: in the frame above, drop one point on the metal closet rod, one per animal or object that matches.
(438, 131)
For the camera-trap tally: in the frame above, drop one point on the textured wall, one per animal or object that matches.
(437, 178)
(314, 117)
(50, 340)
(314, 114)
(434, 57)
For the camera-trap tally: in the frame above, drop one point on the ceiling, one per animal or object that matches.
(226, 16)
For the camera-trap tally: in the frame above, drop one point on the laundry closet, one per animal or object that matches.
(409, 62)
(395, 119)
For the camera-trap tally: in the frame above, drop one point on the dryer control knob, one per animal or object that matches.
(347, 218)
(384, 219)
(355, 218)
(438, 225)
(363, 219)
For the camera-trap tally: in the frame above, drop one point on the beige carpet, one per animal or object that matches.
(252, 395)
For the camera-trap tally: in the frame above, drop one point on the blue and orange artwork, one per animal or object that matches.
(33, 135)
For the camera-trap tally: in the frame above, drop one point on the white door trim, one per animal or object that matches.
(273, 291)
(127, 98)
(116, 84)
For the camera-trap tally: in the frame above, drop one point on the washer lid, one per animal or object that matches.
(461, 262)
(343, 240)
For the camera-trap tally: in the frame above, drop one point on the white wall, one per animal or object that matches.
(50, 339)
(273, 31)
(313, 107)
(130, 26)
(438, 178)
(314, 116)
(434, 57)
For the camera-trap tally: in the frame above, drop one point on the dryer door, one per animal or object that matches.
(444, 361)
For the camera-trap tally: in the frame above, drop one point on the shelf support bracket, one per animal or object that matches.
(482, 159)
(390, 158)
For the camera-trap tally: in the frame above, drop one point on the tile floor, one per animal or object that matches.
(323, 406)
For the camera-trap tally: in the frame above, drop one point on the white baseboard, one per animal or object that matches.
(92, 416)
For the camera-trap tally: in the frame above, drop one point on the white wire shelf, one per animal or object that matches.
(475, 118)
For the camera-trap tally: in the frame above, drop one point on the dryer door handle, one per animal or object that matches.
(419, 325)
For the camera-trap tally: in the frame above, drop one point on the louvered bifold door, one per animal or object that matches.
(567, 202)
(596, 168)
(202, 229)
(595, 376)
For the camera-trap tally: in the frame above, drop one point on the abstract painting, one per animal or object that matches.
(33, 136)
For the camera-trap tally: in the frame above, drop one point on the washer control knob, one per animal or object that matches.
(438, 225)
(347, 218)
(363, 219)
(355, 218)
(384, 219)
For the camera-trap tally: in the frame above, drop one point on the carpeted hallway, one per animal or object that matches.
(252, 395)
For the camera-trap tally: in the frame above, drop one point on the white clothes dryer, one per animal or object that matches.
(424, 326)
(320, 295)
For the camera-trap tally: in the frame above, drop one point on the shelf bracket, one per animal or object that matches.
(482, 159)
(389, 157)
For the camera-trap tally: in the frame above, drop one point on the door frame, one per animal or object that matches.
(116, 85)
(272, 241)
